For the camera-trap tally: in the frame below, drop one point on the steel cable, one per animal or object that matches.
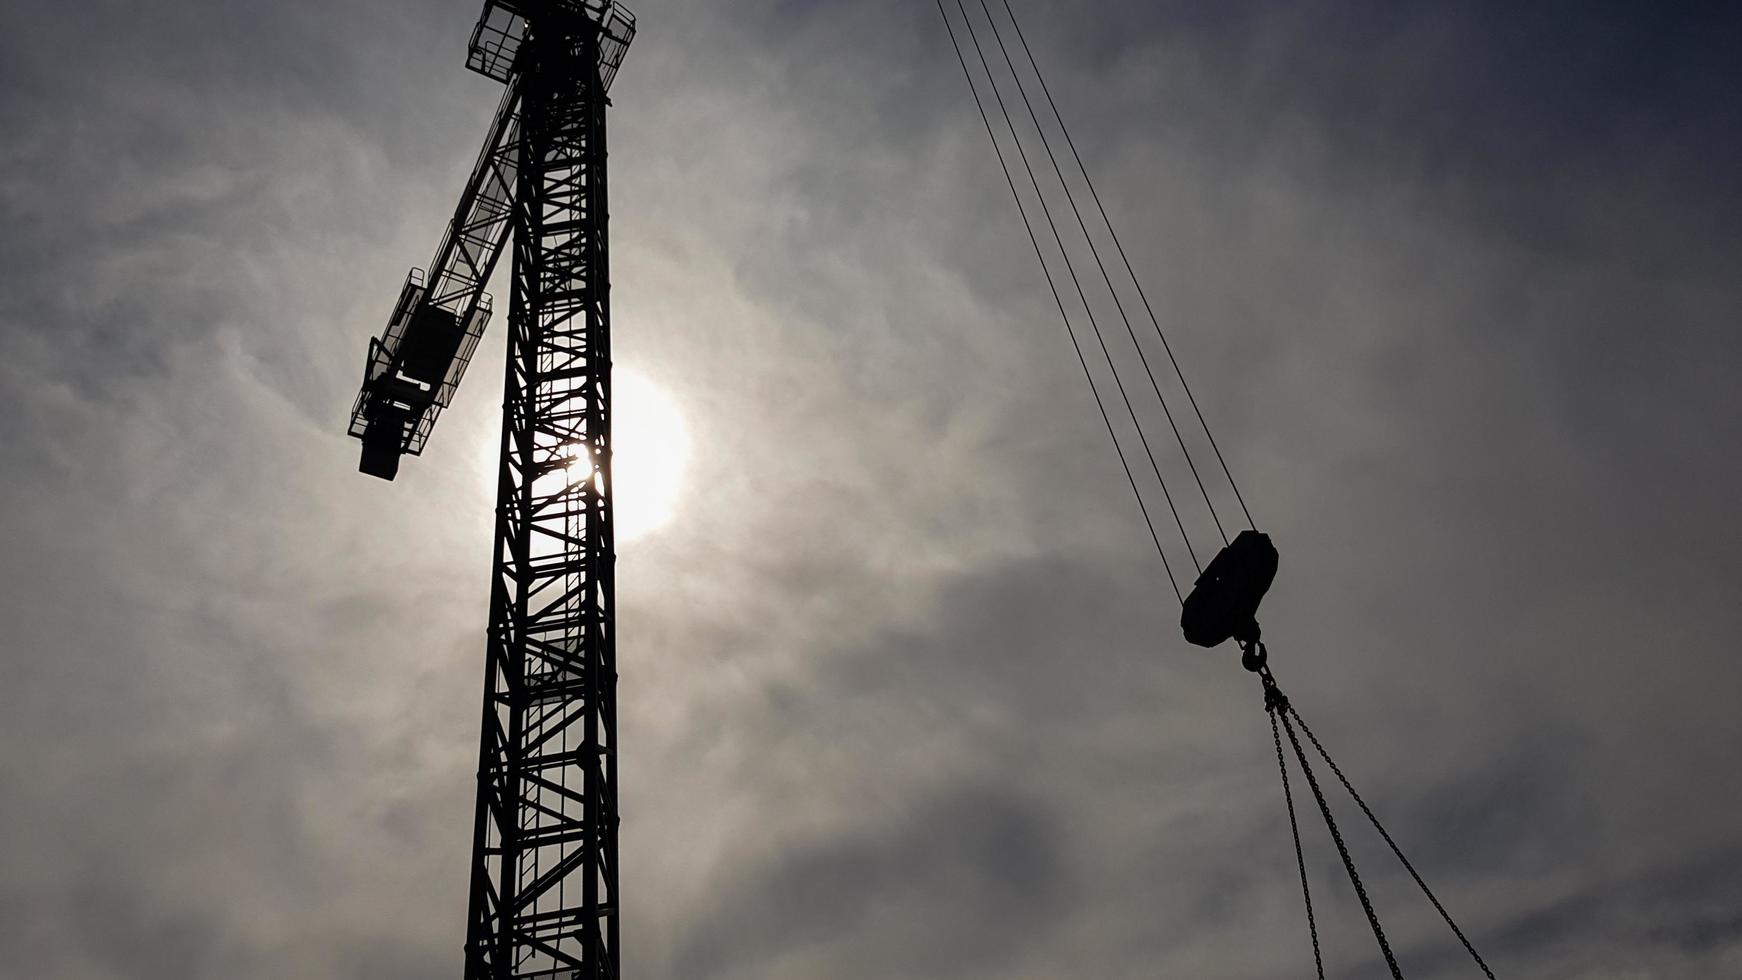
(1095, 252)
(1159, 333)
(1082, 297)
(1057, 299)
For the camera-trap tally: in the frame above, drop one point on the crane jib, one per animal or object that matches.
(415, 366)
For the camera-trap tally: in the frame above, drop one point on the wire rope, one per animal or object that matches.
(1082, 297)
(1095, 252)
(1159, 333)
(1059, 301)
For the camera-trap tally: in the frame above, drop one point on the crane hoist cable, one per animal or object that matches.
(1046, 144)
(1223, 602)
(1076, 345)
(1082, 296)
(1137, 284)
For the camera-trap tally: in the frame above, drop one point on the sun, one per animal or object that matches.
(651, 447)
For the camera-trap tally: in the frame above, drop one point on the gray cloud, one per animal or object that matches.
(901, 691)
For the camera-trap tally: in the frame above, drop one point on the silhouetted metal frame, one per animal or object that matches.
(478, 232)
(463, 262)
(543, 897)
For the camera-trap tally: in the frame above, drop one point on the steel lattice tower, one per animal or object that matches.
(543, 896)
(544, 866)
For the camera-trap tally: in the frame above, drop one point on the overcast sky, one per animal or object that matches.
(902, 691)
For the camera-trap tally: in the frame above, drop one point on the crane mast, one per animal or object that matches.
(543, 895)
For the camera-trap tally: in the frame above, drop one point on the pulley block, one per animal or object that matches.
(1223, 603)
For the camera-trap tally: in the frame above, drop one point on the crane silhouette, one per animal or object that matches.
(543, 895)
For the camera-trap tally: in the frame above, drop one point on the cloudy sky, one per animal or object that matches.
(902, 690)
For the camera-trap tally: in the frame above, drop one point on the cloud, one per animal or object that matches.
(901, 693)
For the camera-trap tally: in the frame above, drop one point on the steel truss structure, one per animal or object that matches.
(543, 895)
(544, 872)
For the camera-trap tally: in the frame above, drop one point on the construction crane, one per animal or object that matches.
(543, 896)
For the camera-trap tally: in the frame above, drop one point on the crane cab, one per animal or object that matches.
(391, 405)
(383, 439)
(411, 373)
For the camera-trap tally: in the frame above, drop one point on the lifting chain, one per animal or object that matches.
(1283, 719)
(1294, 829)
(1255, 658)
